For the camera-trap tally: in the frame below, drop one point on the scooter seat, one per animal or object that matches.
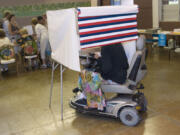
(117, 88)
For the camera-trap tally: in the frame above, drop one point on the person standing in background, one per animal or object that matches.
(1, 24)
(45, 19)
(13, 28)
(6, 22)
(34, 21)
(42, 37)
(14, 32)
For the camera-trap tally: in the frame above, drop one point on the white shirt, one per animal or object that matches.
(5, 41)
(5, 27)
(41, 31)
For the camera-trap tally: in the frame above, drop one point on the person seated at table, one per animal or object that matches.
(4, 41)
(24, 37)
(113, 63)
(28, 46)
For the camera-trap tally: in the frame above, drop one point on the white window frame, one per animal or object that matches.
(161, 13)
(157, 13)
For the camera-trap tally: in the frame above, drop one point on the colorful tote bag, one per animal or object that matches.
(6, 52)
(90, 83)
(28, 45)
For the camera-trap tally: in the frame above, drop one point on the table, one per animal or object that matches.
(169, 35)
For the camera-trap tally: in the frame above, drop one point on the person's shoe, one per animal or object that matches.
(49, 65)
(2, 69)
(5, 69)
(43, 66)
(33, 68)
(76, 90)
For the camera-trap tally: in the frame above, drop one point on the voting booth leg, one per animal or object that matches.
(52, 79)
(61, 77)
(61, 88)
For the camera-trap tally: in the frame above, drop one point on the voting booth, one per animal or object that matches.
(71, 30)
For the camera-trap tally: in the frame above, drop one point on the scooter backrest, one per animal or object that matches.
(137, 67)
(134, 66)
(140, 42)
(143, 68)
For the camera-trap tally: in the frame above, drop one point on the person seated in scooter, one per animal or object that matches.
(113, 63)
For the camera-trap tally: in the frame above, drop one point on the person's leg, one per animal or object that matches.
(48, 54)
(16, 49)
(42, 52)
(1, 68)
(4, 67)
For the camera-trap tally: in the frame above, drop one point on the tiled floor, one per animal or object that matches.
(24, 104)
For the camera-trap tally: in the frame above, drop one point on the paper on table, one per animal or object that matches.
(29, 29)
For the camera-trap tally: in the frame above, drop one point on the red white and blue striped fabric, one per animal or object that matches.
(107, 27)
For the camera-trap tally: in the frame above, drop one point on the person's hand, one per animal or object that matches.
(15, 43)
(97, 55)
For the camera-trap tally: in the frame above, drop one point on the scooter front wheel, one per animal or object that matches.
(129, 116)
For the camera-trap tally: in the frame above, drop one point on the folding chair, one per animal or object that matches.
(7, 56)
(31, 57)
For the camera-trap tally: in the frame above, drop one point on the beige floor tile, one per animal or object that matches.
(4, 127)
(21, 121)
(36, 131)
(43, 116)
(158, 125)
(24, 104)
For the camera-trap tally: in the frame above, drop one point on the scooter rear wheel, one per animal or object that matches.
(129, 116)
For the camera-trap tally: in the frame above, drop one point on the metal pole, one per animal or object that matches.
(52, 79)
(61, 71)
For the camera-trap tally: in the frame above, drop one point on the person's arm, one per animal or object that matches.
(10, 29)
(5, 26)
(38, 33)
(9, 42)
(17, 26)
(6, 42)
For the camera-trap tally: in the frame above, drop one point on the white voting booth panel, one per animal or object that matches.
(64, 33)
(64, 36)
(65, 44)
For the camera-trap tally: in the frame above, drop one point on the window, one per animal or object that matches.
(171, 2)
(170, 10)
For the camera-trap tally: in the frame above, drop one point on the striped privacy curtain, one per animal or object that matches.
(100, 26)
